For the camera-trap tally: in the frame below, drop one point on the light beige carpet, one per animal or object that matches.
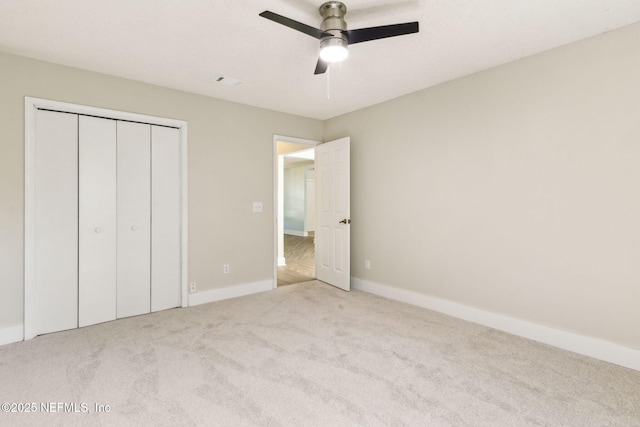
(310, 354)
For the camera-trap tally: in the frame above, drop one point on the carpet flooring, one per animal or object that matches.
(309, 354)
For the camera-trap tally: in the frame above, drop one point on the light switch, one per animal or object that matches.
(257, 207)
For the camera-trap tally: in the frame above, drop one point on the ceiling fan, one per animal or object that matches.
(333, 33)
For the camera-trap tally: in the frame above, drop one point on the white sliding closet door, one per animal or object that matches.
(105, 199)
(55, 267)
(134, 219)
(97, 220)
(165, 222)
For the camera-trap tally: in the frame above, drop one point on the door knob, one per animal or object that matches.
(134, 227)
(345, 221)
(98, 229)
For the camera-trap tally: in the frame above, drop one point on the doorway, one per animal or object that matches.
(295, 210)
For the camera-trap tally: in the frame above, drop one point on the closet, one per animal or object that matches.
(107, 219)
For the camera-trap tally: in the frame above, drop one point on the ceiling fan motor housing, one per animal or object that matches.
(332, 13)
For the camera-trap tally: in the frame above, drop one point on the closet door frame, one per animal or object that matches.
(31, 105)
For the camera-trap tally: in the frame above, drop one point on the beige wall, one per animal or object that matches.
(222, 136)
(515, 190)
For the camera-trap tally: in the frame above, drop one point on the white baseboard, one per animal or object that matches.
(281, 261)
(588, 346)
(296, 233)
(11, 334)
(229, 292)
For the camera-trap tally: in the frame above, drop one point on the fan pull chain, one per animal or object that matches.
(328, 83)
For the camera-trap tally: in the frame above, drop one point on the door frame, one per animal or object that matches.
(31, 105)
(278, 168)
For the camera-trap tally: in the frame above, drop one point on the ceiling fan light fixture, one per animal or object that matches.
(333, 33)
(334, 53)
(333, 49)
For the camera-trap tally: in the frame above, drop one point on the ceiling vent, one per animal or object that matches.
(228, 81)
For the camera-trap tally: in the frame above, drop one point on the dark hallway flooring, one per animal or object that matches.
(299, 253)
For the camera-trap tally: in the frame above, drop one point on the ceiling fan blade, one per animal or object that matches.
(382, 32)
(304, 28)
(321, 66)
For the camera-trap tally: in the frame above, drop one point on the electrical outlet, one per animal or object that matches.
(257, 207)
(193, 288)
(367, 264)
(225, 268)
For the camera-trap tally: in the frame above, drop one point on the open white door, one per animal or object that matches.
(333, 230)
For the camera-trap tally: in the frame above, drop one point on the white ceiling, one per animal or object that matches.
(185, 44)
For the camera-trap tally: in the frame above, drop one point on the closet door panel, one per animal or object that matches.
(56, 221)
(134, 219)
(97, 221)
(165, 218)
